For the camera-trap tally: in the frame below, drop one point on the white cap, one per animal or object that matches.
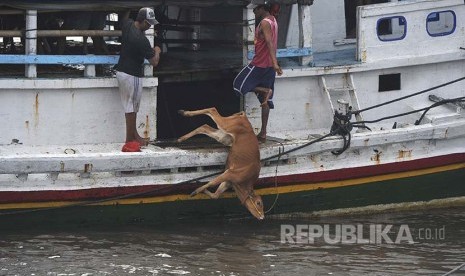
(254, 3)
(147, 14)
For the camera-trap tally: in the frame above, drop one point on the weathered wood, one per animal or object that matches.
(59, 33)
(290, 52)
(31, 41)
(305, 33)
(58, 59)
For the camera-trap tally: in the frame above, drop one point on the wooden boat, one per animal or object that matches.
(373, 118)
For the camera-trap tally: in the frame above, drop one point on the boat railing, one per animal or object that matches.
(89, 61)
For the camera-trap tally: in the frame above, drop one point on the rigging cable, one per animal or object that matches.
(276, 178)
(408, 96)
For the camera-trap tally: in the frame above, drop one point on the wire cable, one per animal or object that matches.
(408, 96)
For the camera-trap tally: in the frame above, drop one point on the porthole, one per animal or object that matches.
(391, 28)
(441, 23)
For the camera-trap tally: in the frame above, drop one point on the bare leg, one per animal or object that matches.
(265, 115)
(131, 130)
(265, 93)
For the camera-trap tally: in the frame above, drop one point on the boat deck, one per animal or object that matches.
(158, 158)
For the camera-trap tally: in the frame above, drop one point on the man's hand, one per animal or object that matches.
(278, 69)
(157, 50)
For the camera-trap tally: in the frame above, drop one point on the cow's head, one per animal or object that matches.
(254, 204)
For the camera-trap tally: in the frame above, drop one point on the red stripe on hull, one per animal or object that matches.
(168, 189)
(352, 173)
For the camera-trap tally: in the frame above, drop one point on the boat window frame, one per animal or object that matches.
(392, 17)
(443, 33)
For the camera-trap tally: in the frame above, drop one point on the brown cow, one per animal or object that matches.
(243, 163)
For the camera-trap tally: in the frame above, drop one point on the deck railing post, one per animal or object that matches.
(150, 33)
(89, 70)
(248, 34)
(31, 41)
(305, 33)
(195, 14)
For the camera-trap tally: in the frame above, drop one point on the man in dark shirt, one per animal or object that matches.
(135, 47)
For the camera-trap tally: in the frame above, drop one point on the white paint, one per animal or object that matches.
(417, 42)
(31, 41)
(69, 111)
(328, 24)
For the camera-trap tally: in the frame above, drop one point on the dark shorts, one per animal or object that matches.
(251, 77)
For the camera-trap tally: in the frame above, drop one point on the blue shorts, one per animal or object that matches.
(251, 77)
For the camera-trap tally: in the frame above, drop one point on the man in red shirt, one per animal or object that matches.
(259, 75)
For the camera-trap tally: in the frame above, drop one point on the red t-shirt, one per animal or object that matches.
(262, 53)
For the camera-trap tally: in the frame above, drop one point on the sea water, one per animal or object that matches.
(432, 242)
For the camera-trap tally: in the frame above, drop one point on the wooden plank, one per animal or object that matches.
(305, 33)
(289, 52)
(58, 59)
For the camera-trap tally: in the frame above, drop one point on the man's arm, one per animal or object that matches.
(266, 29)
(156, 58)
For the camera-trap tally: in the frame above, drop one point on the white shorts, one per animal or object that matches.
(130, 88)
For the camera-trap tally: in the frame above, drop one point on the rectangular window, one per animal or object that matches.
(441, 23)
(389, 82)
(391, 28)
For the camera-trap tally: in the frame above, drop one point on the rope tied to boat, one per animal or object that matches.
(342, 125)
(409, 96)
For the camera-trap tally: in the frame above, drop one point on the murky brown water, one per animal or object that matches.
(241, 248)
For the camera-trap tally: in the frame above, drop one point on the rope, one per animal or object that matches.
(408, 96)
(276, 178)
(426, 109)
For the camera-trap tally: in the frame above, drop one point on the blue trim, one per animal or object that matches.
(403, 22)
(58, 59)
(438, 16)
(288, 52)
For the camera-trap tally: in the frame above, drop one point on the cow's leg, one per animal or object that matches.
(211, 112)
(214, 133)
(221, 189)
(219, 120)
(207, 111)
(224, 177)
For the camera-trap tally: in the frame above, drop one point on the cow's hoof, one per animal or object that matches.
(194, 193)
